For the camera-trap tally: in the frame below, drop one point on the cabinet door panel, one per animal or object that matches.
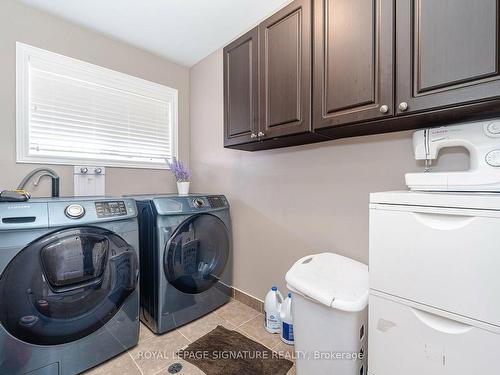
(353, 50)
(285, 70)
(350, 56)
(447, 52)
(283, 81)
(241, 89)
(445, 59)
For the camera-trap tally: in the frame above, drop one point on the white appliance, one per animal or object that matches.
(481, 139)
(434, 283)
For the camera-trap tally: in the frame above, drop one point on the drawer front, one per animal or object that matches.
(448, 260)
(405, 340)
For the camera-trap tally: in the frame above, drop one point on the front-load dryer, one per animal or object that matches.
(69, 297)
(185, 251)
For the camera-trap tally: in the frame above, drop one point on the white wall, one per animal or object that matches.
(291, 202)
(21, 23)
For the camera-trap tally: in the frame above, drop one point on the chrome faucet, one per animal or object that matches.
(42, 172)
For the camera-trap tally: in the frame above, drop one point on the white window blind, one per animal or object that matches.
(72, 112)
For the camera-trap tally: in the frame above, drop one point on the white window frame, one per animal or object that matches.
(151, 89)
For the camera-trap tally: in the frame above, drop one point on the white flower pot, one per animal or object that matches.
(183, 188)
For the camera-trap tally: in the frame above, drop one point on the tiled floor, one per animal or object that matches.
(154, 354)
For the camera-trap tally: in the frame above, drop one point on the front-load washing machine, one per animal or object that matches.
(185, 251)
(69, 296)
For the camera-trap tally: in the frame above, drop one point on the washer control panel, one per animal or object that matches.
(74, 211)
(110, 209)
(493, 158)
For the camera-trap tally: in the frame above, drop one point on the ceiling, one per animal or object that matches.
(183, 31)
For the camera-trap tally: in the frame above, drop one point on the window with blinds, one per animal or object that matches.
(73, 112)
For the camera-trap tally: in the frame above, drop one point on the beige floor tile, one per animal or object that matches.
(285, 350)
(236, 313)
(145, 333)
(158, 352)
(122, 364)
(200, 327)
(255, 328)
(155, 353)
(187, 369)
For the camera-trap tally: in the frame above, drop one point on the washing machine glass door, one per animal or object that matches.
(196, 254)
(66, 285)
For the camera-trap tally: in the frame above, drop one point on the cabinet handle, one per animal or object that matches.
(443, 221)
(260, 134)
(441, 324)
(403, 106)
(384, 109)
(253, 135)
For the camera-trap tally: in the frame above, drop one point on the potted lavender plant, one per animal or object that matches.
(181, 174)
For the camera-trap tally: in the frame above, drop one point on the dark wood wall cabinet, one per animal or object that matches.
(241, 96)
(326, 69)
(353, 50)
(268, 81)
(285, 71)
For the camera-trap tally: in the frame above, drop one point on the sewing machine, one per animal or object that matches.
(481, 139)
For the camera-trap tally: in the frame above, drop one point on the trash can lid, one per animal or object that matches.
(331, 279)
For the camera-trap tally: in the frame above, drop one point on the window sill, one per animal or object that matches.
(104, 163)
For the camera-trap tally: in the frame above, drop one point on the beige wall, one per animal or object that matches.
(285, 203)
(24, 24)
(291, 202)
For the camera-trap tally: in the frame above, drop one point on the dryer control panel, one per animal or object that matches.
(217, 201)
(180, 205)
(207, 202)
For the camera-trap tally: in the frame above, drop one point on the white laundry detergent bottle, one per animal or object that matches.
(272, 306)
(287, 320)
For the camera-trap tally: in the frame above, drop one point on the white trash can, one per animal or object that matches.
(330, 311)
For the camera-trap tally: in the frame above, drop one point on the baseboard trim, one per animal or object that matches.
(248, 300)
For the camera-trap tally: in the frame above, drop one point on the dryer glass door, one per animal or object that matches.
(196, 254)
(66, 285)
